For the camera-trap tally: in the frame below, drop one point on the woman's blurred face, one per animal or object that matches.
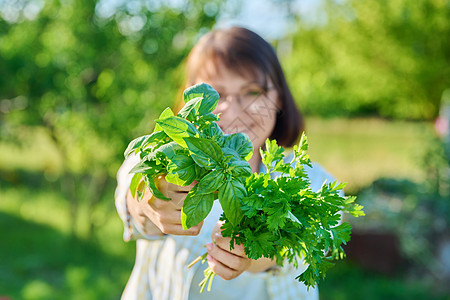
(245, 105)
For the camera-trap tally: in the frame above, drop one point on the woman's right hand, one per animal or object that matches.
(157, 216)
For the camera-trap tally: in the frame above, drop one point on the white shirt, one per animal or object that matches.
(160, 271)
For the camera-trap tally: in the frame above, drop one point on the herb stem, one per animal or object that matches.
(209, 276)
(201, 257)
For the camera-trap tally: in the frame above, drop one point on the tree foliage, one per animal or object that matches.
(370, 57)
(93, 80)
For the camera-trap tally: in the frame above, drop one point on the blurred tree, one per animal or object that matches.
(95, 76)
(371, 57)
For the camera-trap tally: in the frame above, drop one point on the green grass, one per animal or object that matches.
(41, 260)
(359, 151)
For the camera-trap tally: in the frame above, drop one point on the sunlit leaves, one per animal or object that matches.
(191, 147)
(177, 128)
(206, 153)
(275, 217)
(196, 207)
(284, 219)
(241, 143)
(230, 195)
(181, 170)
(209, 96)
(211, 182)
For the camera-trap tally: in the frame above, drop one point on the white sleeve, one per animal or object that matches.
(283, 285)
(132, 230)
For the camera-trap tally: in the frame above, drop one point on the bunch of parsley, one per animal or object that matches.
(274, 215)
(285, 220)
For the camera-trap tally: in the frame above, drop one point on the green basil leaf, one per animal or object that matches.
(178, 128)
(134, 183)
(180, 161)
(134, 145)
(205, 91)
(190, 109)
(181, 179)
(166, 113)
(211, 182)
(240, 168)
(182, 170)
(228, 152)
(230, 195)
(206, 153)
(156, 136)
(196, 208)
(141, 142)
(169, 149)
(145, 166)
(214, 132)
(241, 143)
(150, 181)
(209, 117)
(200, 171)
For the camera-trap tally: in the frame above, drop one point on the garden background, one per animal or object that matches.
(79, 79)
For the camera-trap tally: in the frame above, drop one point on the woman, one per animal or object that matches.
(255, 99)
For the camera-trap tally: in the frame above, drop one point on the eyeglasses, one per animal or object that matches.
(246, 97)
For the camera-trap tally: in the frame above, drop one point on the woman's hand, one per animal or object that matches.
(225, 262)
(157, 216)
(228, 263)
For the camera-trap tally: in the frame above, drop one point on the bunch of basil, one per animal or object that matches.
(191, 146)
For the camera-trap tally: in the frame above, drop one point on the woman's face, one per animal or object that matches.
(245, 105)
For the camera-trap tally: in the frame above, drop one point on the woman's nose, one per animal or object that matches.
(228, 102)
(229, 110)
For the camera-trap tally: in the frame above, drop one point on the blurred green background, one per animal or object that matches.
(79, 79)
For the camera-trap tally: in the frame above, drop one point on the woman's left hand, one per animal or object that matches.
(225, 262)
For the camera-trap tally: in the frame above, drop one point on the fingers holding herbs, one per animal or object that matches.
(167, 217)
(176, 193)
(153, 212)
(225, 262)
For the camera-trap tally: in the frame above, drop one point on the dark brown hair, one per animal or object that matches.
(246, 53)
